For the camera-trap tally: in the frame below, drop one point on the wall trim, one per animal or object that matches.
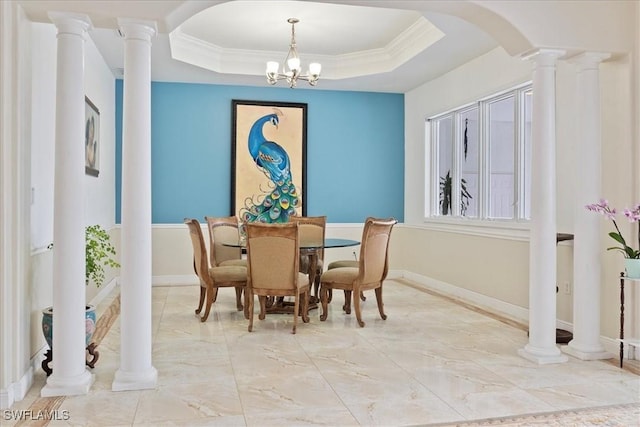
(493, 229)
(175, 280)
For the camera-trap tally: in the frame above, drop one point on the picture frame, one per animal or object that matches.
(281, 127)
(91, 138)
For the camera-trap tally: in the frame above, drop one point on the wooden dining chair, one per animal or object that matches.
(212, 278)
(221, 230)
(371, 272)
(312, 233)
(273, 268)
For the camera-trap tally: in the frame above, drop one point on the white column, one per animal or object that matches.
(587, 244)
(70, 375)
(136, 371)
(542, 247)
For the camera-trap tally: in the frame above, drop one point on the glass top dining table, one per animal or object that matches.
(330, 242)
(310, 249)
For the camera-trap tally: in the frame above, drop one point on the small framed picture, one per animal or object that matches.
(91, 138)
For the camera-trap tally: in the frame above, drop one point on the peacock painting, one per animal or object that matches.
(273, 194)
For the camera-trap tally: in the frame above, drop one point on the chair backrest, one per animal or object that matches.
(222, 229)
(374, 249)
(200, 262)
(272, 256)
(312, 231)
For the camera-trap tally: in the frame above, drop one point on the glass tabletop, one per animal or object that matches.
(328, 243)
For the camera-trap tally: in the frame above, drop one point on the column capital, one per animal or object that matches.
(137, 29)
(70, 23)
(544, 57)
(589, 60)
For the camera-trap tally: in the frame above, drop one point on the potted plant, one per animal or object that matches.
(446, 185)
(99, 253)
(631, 255)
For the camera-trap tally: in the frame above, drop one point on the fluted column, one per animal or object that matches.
(136, 370)
(70, 375)
(587, 244)
(542, 246)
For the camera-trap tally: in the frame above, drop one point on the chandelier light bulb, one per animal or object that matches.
(292, 62)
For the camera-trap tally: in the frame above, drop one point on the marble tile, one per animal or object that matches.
(100, 408)
(185, 403)
(432, 361)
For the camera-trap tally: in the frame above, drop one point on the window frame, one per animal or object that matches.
(482, 224)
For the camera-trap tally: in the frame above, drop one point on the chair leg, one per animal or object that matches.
(250, 304)
(356, 306)
(380, 304)
(305, 306)
(362, 297)
(296, 308)
(263, 307)
(316, 284)
(347, 302)
(324, 301)
(239, 299)
(203, 293)
(210, 300)
(215, 295)
(246, 303)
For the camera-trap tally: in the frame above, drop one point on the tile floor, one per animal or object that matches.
(431, 362)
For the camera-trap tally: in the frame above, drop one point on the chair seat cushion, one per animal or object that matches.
(231, 273)
(343, 263)
(346, 275)
(232, 262)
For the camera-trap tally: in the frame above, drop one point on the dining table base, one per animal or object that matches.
(280, 306)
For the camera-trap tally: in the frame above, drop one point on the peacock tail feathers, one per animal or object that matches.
(272, 207)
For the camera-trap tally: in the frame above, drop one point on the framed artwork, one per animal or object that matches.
(91, 138)
(268, 160)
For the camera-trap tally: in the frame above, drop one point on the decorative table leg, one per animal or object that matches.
(621, 317)
(45, 363)
(91, 348)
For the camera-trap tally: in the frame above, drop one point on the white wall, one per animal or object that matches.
(500, 266)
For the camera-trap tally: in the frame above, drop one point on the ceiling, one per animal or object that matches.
(360, 48)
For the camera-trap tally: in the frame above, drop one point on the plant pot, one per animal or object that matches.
(632, 266)
(47, 324)
(90, 327)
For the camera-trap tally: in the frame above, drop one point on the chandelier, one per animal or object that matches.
(292, 72)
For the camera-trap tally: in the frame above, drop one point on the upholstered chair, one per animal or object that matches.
(221, 230)
(212, 278)
(373, 266)
(312, 233)
(273, 268)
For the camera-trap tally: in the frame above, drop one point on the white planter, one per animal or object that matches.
(632, 266)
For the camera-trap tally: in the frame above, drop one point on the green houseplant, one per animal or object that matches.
(99, 253)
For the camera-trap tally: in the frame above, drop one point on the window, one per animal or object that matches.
(482, 157)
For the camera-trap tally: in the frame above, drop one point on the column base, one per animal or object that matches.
(542, 356)
(57, 386)
(585, 353)
(125, 381)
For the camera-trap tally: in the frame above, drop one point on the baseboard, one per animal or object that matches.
(18, 390)
(494, 305)
(519, 314)
(105, 291)
(175, 280)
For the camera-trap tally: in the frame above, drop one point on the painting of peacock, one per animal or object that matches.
(280, 199)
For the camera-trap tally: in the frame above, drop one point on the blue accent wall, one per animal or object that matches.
(355, 150)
